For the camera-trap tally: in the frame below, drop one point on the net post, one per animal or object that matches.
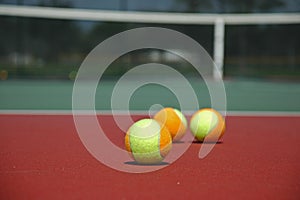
(219, 32)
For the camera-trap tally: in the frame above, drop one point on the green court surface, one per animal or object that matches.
(242, 95)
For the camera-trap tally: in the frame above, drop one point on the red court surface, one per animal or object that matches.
(42, 157)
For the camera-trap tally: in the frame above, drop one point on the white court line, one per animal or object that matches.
(142, 112)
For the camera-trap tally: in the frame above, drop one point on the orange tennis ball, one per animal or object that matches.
(207, 124)
(148, 142)
(174, 120)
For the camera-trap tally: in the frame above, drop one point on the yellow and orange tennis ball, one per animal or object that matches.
(207, 124)
(174, 121)
(148, 142)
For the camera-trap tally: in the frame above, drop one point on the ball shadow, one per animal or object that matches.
(199, 142)
(178, 142)
(139, 164)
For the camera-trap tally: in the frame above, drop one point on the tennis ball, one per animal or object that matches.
(174, 120)
(148, 142)
(207, 124)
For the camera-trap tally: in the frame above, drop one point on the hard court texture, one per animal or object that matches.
(42, 157)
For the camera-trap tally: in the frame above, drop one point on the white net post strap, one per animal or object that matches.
(219, 32)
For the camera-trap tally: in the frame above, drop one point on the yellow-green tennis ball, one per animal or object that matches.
(148, 142)
(207, 124)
